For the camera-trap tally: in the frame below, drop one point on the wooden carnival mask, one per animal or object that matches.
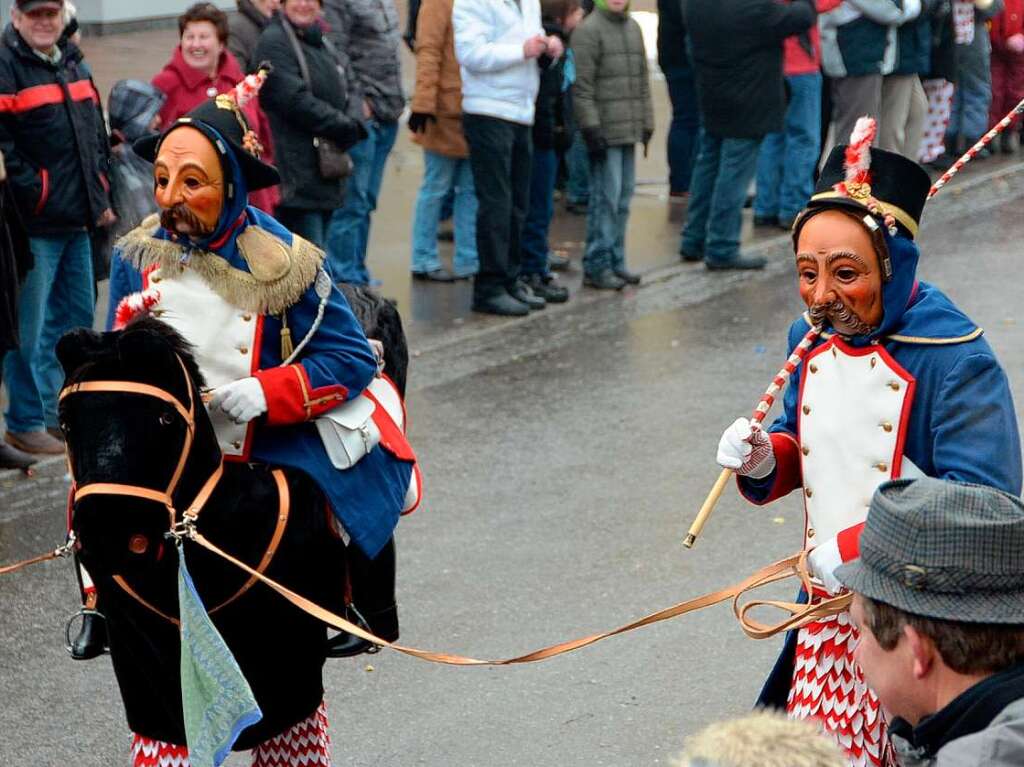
(189, 183)
(839, 272)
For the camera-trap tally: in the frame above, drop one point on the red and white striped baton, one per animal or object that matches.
(763, 406)
(971, 153)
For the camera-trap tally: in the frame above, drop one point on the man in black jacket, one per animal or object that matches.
(737, 54)
(682, 92)
(57, 152)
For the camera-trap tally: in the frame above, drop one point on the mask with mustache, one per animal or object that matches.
(840, 317)
(189, 183)
(181, 214)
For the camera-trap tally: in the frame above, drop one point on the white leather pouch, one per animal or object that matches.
(348, 432)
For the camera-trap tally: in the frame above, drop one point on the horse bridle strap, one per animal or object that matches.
(283, 512)
(188, 414)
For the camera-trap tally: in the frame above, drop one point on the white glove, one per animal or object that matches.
(823, 562)
(240, 400)
(378, 352)
(746, 449)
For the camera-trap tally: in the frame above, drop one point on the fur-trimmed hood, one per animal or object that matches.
(763, 739)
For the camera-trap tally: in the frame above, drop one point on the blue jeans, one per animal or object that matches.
(725, 167)
(57, 296)
(538, 215)
(349, 232)
(309, 224)
(612, 179)
(441, 176)
(785, 165)
(577, 163)
(684, 131)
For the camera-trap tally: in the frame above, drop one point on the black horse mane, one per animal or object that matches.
(105, 350)
(380, 320)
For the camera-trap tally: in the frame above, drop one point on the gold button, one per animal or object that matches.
(807, 409)
(887, 426)
(236, 445)
(810, 532)
(158, 312)
(808, 492)
(805, 450)
(882, 466)
(813, 368)
(243, 349)
(874, 361)
(894, 385)
(154, 279)
(247, 318)
(834, 353)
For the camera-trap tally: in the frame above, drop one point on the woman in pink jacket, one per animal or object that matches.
(201, 67)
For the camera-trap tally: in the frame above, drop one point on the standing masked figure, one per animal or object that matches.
(278, 345)
(900, 384)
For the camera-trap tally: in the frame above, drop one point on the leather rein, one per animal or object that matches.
(185, 527)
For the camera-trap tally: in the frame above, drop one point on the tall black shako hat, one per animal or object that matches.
(222, 120)
(884, 189)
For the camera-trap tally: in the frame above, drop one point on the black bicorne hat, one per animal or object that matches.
(224, 115)
(891, 187)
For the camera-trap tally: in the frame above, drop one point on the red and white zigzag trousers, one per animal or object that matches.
(828, 688)
(307, 744)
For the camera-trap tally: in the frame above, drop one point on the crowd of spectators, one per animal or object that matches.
(511, 100)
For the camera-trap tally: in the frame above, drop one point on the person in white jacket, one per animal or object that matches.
(499, 45)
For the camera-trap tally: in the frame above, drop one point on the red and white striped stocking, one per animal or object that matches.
(307, 744)
(155, 753)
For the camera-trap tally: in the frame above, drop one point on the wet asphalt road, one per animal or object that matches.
(564, 459)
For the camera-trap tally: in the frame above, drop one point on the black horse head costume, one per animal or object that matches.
(126, 412)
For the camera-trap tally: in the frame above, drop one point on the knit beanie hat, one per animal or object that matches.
(603, 5)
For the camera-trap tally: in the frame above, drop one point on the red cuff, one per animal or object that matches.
(849, 542)
(291, 398)
(788, 475)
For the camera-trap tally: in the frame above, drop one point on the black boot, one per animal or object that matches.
(373, 606)
(91, 641)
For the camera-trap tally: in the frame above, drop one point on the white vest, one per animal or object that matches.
(224, 338)
(852, 421)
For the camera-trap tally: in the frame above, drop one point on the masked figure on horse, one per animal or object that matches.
(299, 404)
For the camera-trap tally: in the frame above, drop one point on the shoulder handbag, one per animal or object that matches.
(333, 163)
(349, 432)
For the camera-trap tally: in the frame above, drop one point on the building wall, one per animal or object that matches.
(119, 11)
(114, 11)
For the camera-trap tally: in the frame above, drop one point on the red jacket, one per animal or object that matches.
(1007, 24)
(796, 60)
(186, 88)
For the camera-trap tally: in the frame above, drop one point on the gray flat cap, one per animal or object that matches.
(945, 550)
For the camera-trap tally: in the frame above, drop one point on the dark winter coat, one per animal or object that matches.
(368, 31)
(737, 57)
(15, 261)
(552, 118)
(244, 34)
(914, 43)
(299, 114)
(671, 36)
(613, 91)
(53, 138)
(981, 727)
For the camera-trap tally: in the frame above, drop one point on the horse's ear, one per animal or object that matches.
(143, 348)
(78, 347)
